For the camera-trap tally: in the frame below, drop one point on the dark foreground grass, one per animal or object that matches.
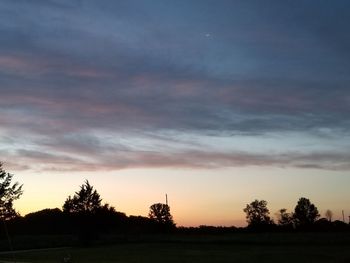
(253, 248)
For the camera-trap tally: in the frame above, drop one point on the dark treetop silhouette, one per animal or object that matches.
(161, 214)
(305, 213)
(284, 218)
(8, 193)
(86, 200)
(257, 214)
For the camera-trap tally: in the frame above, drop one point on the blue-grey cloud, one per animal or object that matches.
(205, 67)
(40, 161)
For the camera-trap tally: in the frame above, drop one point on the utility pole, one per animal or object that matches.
(342, 211)
(166, 199)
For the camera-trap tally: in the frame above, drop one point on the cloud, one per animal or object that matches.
(122, 159)
(115, 151)
(137, 69)
(159, 103)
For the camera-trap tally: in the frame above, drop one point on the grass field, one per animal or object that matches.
(232, 248)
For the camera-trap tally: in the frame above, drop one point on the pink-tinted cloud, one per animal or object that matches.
(114, 69)
(92, 156)
(40, 65)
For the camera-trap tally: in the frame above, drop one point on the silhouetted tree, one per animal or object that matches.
(329, 215)
(109, 219)
(86, 200)
(340, 225)
(284, 219)
(305, 213)
(161, 214)
(323, 224)
(8, 193)
(46, 221)
(257, 214)
(82, 210)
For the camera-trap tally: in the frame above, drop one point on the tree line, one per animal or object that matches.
(305, 217)
(84, 215)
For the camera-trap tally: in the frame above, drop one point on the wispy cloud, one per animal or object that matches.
(77, 68)
(127, 158)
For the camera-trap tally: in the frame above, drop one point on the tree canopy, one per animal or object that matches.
(161, 214)
(257, 214)
(86, 200)
(284, 218)
(8, 193)
(305, 213)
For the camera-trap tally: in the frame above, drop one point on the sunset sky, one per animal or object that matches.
(214, 102)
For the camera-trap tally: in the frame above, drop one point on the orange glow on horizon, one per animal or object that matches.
(196, 197)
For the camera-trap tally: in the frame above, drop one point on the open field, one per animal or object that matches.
(295, 247)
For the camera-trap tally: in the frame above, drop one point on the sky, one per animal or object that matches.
(215, 103)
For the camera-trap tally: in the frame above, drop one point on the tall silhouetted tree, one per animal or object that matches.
(161, 214)
(305, 213)
(86, 200)
(8, 193)
(257, 214)
(82, 210)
